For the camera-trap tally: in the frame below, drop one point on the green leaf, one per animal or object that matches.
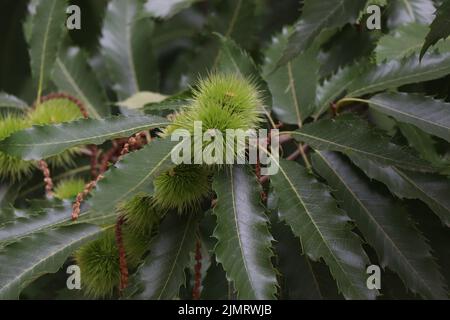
(166, 9)
(48, 28)
(10, 101)
(430, 188)
(298, 281)
(428, 114)
(385, 226)
(293, 86)
(405, 41)
(27, 26)
(33, 221)
(439, 29)
(402, 12)
(352, 135)
(237, 20)
(140, 99)
(169, 106)
(332, 89)
(24, 261)
(131, 175)
(232, 59)
(309, 209)
(73, 75)
(317, 16)
(394, 74)
(126, 45)
(41, 142)
(244, 241)
(163, 271)
(420, 141)
(215, 284)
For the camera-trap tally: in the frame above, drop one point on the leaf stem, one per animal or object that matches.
(343, 101)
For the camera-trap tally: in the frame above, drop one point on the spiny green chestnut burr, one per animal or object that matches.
(69, 189)
(54, 111)
(11, 167)
(222, 101)
(99, 265)
(182, 187)
(99, 261)
(140, 214)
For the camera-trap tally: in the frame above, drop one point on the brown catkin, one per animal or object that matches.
(94, 162)
(43, 166)
(80, 197)
(197, 271)
(66, 96)
(122, 254)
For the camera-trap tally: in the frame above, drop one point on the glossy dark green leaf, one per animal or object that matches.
(168, 105)
(73, 75)
(307, 206)
(352, 135)
(430, 188)
(244, 241)
(426, 113)
(232, 59)
(385, 226)
(293, 86)
(47, 31)
(163, 272)
(331, 89)
(24, 261)
(31, 221)
(8, 101)
(237, 20)
(402, 42)
(165, 9)
(297, 280)
(131, 175)
(126, 45)
(439, 29)
(215, 284)
(396, 73)
(422, 142)
(316, 16)
(41, 142)
(401, 12)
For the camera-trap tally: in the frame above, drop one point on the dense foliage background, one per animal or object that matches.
(364, 179)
